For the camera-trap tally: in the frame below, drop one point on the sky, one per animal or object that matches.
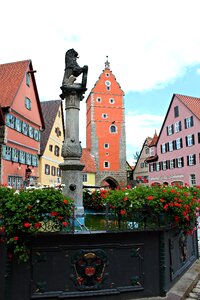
(153, 48)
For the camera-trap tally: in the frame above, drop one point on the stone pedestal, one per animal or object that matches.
(71, 151)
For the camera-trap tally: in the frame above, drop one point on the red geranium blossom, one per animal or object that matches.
(150, 197)
(37, 225)
(16, 238)
(27, 224)
(65, 201)
(122, 212)
(64, 224)
(54, 213)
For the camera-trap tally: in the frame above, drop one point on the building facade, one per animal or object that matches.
(51, 143)
(176, 156)
(141, 169)
(105, 129)
(22, 124)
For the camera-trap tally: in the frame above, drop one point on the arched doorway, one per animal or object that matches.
(109, 183)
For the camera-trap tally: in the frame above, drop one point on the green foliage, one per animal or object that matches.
(26, 211)
(180, 204)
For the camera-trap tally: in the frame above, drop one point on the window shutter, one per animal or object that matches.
(185, 123)
(161, 149)
(192, 139)
(182, 161)
(186, 141)
(176, 162)
(172, 128)
(167, 147)
(167, 164)
(174, 145)
(187, 160)
(181, 142)
(192, 121)
(194, 159)
(180, 126)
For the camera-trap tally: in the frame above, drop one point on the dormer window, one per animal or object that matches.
(28, 79)
(28, 103)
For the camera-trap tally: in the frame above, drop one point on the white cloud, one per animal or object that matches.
(138, 128)
(149, 43)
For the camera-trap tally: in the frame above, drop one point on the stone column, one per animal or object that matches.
(71, 149)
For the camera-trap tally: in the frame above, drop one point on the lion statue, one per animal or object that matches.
(72, 69)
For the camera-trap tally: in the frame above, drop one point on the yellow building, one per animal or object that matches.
(51, 143)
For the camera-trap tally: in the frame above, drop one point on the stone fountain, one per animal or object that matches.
(72, 94)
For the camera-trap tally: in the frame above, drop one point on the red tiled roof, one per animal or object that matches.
(88, 160)
(11, 76)
(192, 103)
(154, 140)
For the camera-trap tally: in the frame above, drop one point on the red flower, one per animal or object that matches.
(176, 219)
(54, 213)
(16, 238)
(60, 218)
(27, 225)
(172, 191)
(150, 197)
(65, 201)
(30, 207)
(166, 207)
(128, 187)
(65, 224)
(2, 229)
(122, 212)
(125, 198)
(37, 225)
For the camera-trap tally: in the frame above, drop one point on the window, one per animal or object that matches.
(34, 160)
(113, 129)
(50, 148)
(31, 132)
(176, 111)
(142, 165)
(178, 126)
(36, 135)
(98, 99)
(164, 165)
(147, 150)
(10, 121)
(180, 162)
(189, 140)
(170, 146)
(163, 148)
(85, 177)
(25, 128)
(28, 79)
(111, 101)
(189, 122)
(170, 129)
(107, 75)
(151, 168)
(106, 164)
(158, 166)
(28, 159)
(22, 157)
(47, 169)
(179, 143)
(192, 179)
(15, 181)
(56, 151)
(27, 103)
(15, 155)
(172, 164)
(191, 160)
(18, 124)
(58, 172)
(106, 145)
(57, 131)
(7, 152)
(53, 170)
(107, 83)
(104, 116)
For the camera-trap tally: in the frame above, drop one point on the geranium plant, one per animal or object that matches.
(23, 212)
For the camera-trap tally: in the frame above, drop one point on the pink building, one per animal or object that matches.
(175, 157)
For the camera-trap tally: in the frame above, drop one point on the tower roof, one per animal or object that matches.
(107, 64)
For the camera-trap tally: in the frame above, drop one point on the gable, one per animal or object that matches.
(14, 90)
(107, 84)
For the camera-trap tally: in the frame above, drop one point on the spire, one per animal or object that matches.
(107, 64)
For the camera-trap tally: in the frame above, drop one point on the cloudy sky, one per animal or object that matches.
(153, 49)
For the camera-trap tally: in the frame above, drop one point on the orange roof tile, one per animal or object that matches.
(192, 103)
(11, 76)
(88, 160)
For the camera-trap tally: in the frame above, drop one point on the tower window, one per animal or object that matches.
(106, 145)
(98, 99)
(28, 103)
(107, 75)
(113, 129)
(104, 116)
(111, 101)
(106, 164)
(28, 78)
